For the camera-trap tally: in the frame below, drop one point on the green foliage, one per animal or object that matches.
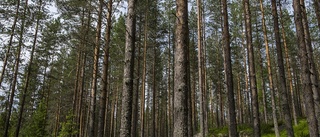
(2, 122)
(300, 130)
(245, 129)
(68, 126)
(218, 131)
(38, 123)
(267, 130)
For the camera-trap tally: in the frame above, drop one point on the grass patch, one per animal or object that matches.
(300, 130)
(267, 130)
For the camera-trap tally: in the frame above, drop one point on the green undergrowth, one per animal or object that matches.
(267, 130)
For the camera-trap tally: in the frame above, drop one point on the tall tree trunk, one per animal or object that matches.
(264, 94)
(193, 91)
(5, 61)
(314, 76)
(27, 78)
(142, 106)
(125, 130)
(292, 95)
(16, 70)
(180, 70)
(114, 105)
(204, 71)
(136, 93)
(228, 72)
(252, 72)
(221, 110)
(189, 105)
(81, 110)
(282, 77)
(82, 84)
(95, 74)
(104, 91)
(247, 110)
(200, 69)
(75, 107)
(305, 71)
(169, 82)
(239, 99)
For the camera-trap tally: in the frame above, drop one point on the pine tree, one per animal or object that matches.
(252, 73)
(180, 71)
(125, 130)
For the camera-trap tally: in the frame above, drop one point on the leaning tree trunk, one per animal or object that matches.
(27, 79)
(5, 61)
(125, 129)
(305, 73)
(16, 71)
(252, 72)
(180, 71)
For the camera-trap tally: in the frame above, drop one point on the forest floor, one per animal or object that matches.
(267, 130)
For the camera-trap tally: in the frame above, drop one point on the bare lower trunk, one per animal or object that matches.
(314, 76)
(252, 72)
(228, 72)
(92, 113)
(294, 114)
(282, 77)
(180, 71)
(125, 130)
(104, 91)
(305, 73)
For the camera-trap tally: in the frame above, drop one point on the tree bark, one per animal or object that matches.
(200, 69)
(180, 71)
(282, 78)
(314, 76)
(252, 72)
(228, 72)
(142, 106)
(5, 61)
(27, 78)
(16, 70)
(305, 71)
(92, 113)
(136, 93)
(125, 130)
(104, 91)
(169, 83)
(294, 113)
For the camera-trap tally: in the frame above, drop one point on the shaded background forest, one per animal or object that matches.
(62, 74)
